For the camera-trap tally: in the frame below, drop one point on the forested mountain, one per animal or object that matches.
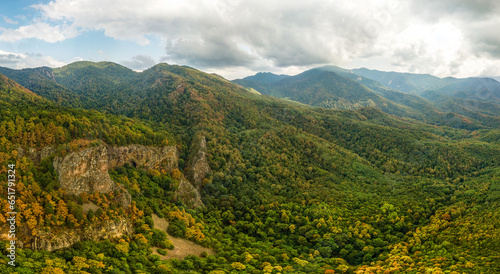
(406, 82)
(338, 88)
(416, 103)
(482, 89)
(462, 105)
(290, 188)
(80, 84)
(324, 87)
(41, 81)
(265, 77)
(474, 98)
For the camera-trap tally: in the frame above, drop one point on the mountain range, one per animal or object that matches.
(327, 171)
(448, 101)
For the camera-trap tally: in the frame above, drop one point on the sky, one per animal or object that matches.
(236, 38)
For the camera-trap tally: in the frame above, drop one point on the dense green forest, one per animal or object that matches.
(460, 103)
(485, 89)
(292, 188)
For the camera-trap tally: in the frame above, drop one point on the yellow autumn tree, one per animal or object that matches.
(238, 266)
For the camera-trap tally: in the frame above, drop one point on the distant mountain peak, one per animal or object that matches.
(101, 64)
(265, 77)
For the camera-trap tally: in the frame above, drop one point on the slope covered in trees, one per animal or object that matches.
(463, 96)
(292, 188)
(485, 89)
(337, 88)
(325, 88)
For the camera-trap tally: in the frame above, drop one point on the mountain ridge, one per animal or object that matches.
(474, 87)
(423, 107)
(287, 187)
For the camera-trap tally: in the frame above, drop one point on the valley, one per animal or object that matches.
(328, 171)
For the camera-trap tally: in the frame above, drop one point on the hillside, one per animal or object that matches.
(289, 187)
(41, 81)
(480, 89)
(338, 88)
(415, 102)
(326, 88)
(406, 82)
(265, 77)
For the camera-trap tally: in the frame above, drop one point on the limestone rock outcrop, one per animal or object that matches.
(188, 194)
(87, 170)
(197, 169)
(107, 230)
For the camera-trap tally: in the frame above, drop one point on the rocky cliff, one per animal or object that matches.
(109, 229)
(188, 194)
(35, 155)
(197, 169)
(87, 170)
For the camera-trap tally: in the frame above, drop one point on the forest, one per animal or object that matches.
(292, 188)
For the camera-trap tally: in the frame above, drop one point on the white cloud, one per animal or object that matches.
(139, 62)
(8, 58)
(23, 60)
(226, 33)
(76, 59)
(39, 30)
(445, 37)
(10, 21)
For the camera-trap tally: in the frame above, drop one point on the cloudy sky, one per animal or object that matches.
(238, 38)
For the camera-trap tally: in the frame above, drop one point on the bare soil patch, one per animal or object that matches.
(182, 247)
(89, 205)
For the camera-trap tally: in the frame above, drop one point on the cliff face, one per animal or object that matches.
(95, 232)
(197, 169)
(87, 170)
(34, 155)
(139, 155)
(188, 194)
